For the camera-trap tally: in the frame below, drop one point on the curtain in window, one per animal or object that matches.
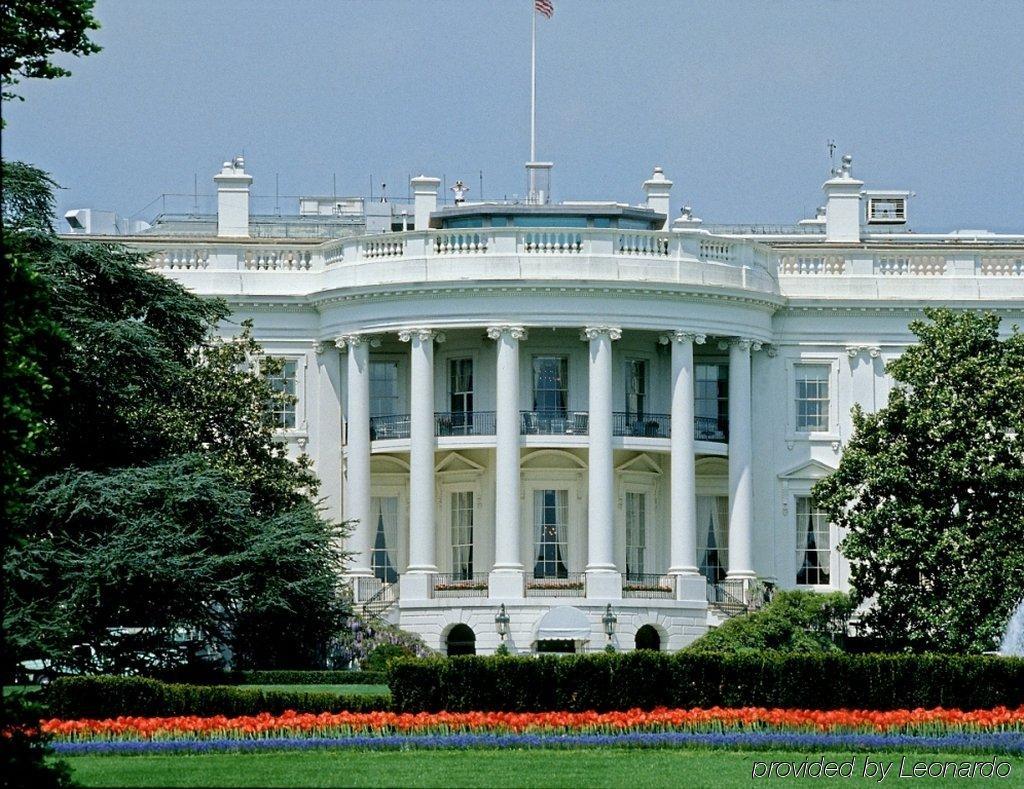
(384, 512)
(561, 533)
(712, 537)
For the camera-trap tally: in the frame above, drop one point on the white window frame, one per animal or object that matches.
(646, 495)
(399, 388)
(796, 484)
(826, 360)
(301, 366)
(797, 528)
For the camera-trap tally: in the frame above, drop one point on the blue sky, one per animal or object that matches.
(734, 99)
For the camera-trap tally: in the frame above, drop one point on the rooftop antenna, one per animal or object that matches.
(371, 187)
(277, 194)
(383, 192)
(481, 186)
(195, 194)
(831, 145)
(334, 185)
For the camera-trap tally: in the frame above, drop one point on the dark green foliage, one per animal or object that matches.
(109, 697)
(26, 759)
(930, 490)
(31, 31)
(685, 679)
(311, 677)
(378, 659)
(793, 621)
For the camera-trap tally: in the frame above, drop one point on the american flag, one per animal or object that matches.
(545, 7)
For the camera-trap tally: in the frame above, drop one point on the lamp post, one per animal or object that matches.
(608, 620)
(501, 620)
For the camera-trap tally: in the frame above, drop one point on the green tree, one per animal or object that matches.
(794, 621)
(930, 489)
(32, 31)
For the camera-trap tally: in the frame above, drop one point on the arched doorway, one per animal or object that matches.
(647, 637)
(461, 641)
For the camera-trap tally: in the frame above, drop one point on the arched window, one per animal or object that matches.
(648, 638)
(461, 641)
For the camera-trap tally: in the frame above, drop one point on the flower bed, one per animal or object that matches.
(998, 730)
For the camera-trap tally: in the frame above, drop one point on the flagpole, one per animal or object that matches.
(533, 83)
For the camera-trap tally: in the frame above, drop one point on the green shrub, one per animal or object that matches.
(794, 621)
(109, 697)
(377, 660)
(695, 679)
(310, 677)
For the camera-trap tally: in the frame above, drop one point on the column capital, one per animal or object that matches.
(593, 332)
(745, 343)
(871, 350)
(352, 340)
(421, 334)
(515, 332)
(681, 335)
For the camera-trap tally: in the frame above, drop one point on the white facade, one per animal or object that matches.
(560, 408)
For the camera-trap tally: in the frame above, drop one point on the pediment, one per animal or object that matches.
(642, 462)
(457, 462)
(810, 469)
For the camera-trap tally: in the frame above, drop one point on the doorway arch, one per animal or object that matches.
(647, 637)
(461, 640)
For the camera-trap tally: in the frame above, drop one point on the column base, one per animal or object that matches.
(692, 588)
(604, 585)
(417, 585)
(506, 584)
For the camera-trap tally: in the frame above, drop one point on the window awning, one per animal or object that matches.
(563, 622)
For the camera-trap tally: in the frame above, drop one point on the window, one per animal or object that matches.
(636, 533)
(462, 535)
(713, 537)
(282, 409)
(383, 388)
(813, 544)
(550, 518)
(551, 385)
(383, 557)
(711, 401)
(812, 398)
(636, 388)
(460, 395)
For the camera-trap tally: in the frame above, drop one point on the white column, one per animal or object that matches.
(603, 579)
(506, 580)
(422, 522)
(683, 499)
(328, 429)
(741, 488)
(357, 493)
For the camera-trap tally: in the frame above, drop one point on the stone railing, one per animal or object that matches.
(931, 264)
(808, 265)
(910, 265)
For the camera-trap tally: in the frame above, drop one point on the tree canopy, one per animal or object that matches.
(930, 490)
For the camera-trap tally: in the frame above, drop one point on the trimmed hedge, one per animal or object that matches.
(310, 677)
(646, 680)
(109, 697)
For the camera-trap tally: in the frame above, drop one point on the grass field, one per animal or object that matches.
(345, 690)
(637, 769)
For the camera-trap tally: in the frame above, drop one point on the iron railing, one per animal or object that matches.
(392, 426)
(458, 584)
(554, 422)
(464, 423)
(648, 586)
(570, 585)
(709, 428)
(625, 423)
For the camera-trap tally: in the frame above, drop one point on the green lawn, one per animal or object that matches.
(636, 769)
(11, 690)
(344, 690)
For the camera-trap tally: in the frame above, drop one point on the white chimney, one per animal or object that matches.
(424, 190)
(657, 189)
(842, 208)
(233, 199)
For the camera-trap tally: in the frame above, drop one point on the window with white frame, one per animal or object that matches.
(636, 388)
(384, 556)
(284, 383)
(812, 397)
(711, 400)
(636, 532)
(550, 533)
(462, 535)
(813, 544)
(713, 537)
(551, 385)
(383, 388)
(460, 394)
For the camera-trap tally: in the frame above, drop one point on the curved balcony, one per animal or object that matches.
(546, 423)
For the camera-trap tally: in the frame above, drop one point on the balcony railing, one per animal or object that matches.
(641, 425)
(572, 585)
(554, 423)
(648, 586)
(546, 423)
(459, 585)
(464, 423)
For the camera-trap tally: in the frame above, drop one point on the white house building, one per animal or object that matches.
(561, 425)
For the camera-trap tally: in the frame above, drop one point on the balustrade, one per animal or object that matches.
(641, 425)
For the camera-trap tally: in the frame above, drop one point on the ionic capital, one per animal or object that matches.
(871, 350)
(743, 343)
(682, 336)
(353, 340)
(593, 332)
(515, 332)
(421, 334)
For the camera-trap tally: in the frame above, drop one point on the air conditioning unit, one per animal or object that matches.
(886, 208)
